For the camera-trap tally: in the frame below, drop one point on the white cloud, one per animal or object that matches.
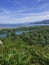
(14, 17)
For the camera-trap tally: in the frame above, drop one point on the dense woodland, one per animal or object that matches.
(28, 48)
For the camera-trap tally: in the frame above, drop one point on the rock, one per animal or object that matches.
(1, 42)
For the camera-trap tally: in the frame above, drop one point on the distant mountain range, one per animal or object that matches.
(42, 22)
(39, 23)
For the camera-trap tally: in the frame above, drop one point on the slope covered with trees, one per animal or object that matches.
(28, 48)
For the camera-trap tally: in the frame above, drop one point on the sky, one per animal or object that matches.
(22, 11)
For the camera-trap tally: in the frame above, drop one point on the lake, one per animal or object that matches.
(3, 35)
(18, 25)
(18, 33)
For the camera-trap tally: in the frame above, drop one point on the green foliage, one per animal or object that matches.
(29, 48)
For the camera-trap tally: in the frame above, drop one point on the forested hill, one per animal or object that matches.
(28, 48)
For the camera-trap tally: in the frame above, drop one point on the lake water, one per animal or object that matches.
(18, 33)
(3, 35)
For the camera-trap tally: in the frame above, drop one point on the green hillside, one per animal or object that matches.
(28, 48)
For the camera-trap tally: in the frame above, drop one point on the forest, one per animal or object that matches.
(27, 48)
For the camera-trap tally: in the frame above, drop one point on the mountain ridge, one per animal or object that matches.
(39, 23)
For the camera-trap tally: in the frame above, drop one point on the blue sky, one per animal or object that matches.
(20, 11)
